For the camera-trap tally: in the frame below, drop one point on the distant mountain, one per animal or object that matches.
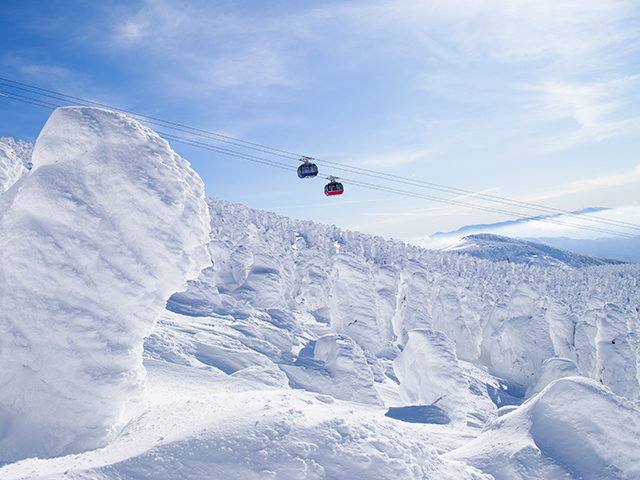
(483, 227)
(626, 249)
(498, 248)
(620, 248)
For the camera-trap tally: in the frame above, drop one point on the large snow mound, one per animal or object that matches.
(203, 424)
(104, 228)
(575, 428)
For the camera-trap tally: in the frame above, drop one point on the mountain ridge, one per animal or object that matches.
(500, 248)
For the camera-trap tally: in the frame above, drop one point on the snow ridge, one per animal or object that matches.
(499, 248)
(469, 336)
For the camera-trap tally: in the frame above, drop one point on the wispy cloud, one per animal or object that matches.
(212, 47)
(459, 32)
(397, 157)
(440, 51)
(466, 93)
(155, 22)
(586, 185)
(600, 109)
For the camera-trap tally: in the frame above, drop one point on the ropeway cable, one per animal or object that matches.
(490, 209)
(273, 151)
(226, 151)
(398, 191)
(478, 195)
(357, 170)
(32, 101)
(155, 121)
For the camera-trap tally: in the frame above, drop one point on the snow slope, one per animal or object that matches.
(575, 428)
(621, 248)
(305, 351)
(302, 275)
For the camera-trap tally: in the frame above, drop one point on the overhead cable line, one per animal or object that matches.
(32, 101)
(156, 121)
(488, 209)
(292, 156)
(396, 191)
(283, 153)
(478, 195)
(226, 151)
(357, 170)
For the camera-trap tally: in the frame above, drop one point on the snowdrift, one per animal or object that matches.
(575, 428)
(294, 350)
(466, 336)
(95, 238)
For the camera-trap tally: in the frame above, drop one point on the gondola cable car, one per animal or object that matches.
(333, 187)
(307, 169)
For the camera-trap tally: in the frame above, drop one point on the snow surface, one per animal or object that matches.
(575, 428)
(301, 351)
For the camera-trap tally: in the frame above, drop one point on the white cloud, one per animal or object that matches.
(157, 22)
(599, 108)
(396, 158)
(204, 46)
(504, 29)
(273, 45)
(586, 185)
(525, 64)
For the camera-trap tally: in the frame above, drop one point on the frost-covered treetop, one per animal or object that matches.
(15, 161)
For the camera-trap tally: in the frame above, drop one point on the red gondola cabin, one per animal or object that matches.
(333, 188)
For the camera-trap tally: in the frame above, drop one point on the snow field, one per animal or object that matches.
(204, 424)
(434, 314)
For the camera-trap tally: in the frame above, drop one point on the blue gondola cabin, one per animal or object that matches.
(307, 169)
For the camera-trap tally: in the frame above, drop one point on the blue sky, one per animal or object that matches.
(532, 100)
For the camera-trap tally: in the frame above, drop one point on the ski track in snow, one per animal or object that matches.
(282, 358)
